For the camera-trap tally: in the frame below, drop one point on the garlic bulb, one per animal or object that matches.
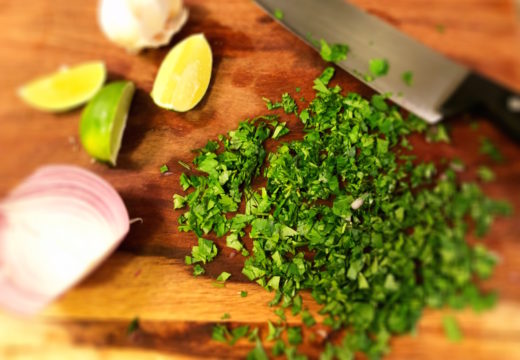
(138, 24)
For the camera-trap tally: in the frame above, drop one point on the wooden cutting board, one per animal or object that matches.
(253, 57)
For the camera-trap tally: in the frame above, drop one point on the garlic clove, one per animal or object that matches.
(138, 24)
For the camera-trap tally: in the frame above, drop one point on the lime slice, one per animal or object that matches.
(184, 75)
(65, 89)
(104, 119)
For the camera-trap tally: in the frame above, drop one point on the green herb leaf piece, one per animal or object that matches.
(378, 67)
(223, 276)
(407, 77)
(278, 14)
(489, 149)
(451, 328)
(133, 326)
(164, 169)
(258, 352)
(486, 174)
(333, 53)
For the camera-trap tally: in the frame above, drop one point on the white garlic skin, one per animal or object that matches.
(138, 24)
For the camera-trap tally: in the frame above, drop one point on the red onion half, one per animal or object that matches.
(55, 228)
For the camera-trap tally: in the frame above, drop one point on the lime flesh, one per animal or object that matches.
(184, 75)
(65, 89)
(104, 119)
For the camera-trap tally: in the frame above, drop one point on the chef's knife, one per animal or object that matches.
(440, 86)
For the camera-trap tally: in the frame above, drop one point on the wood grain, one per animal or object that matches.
(254, 57)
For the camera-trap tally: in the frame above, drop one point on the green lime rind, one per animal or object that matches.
(103, 121)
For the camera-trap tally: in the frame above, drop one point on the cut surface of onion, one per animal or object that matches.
(55, 227)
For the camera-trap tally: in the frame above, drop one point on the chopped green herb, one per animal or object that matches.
(258, 352)
(298, 89)
(440, 28)
(333, 53)
(379, 67)
(164, 169)
(198, 270)
(278, 14)
(486, 174)
(278, 348)
(438, 133)
(225, 316)
(220, 333)
(489, 149)
(307, 318)
(133, 326)
(273, 332)
(238, 333)
(205, 251)
(347, 213)
(243, 293)
(184, 165)
(281, 314)
(294, 335)
(407, 77)
(451, 328)
(223, 276)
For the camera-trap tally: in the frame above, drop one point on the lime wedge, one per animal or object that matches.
(184, 74)
(65, 89)
(104, 119)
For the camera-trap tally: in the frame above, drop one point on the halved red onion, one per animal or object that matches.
(55, 228)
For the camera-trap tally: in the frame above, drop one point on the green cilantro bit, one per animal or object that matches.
(280, 313)
(204, 252)
(294, 335)
(223, 276)
(347, 213)
(164, 169)
(238, 333)
(440, 28)
(378, 67)
(489, 149)
(407, 77)
(288, 104)
(486, 174)
(133, 326)
(198, 270)
(298, 89)
(258, 352)
(278, 348)
(451, 328)
(437, 133)
(333, 53)
(279, 131)
(243, 293)
(278, 14)
(184, 165)
(308, 319)
(220, 333)
(225, 316)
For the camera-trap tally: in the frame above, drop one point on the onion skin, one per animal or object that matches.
(55, 228)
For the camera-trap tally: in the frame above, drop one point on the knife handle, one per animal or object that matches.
(503, 104)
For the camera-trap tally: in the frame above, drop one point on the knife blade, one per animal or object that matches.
(440, 87)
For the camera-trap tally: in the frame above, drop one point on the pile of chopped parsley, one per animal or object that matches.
(348, 213)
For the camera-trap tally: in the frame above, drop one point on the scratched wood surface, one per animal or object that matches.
(253, 57)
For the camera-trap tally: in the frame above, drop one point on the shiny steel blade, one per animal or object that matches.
(435, 77)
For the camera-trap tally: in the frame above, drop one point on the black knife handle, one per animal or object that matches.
(503, 104)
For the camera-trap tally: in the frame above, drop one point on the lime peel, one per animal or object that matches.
(104, 120)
